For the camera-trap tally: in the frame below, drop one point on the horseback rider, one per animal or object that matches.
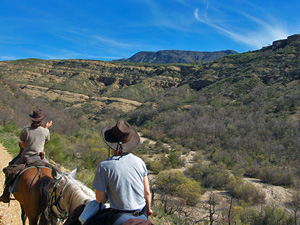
(32, 141)
(122, 179)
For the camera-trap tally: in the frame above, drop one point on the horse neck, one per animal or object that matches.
(74, 194)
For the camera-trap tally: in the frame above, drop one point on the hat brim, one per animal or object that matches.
(129, 146)
(37, 119)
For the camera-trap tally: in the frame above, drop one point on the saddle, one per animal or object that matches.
(13, 171)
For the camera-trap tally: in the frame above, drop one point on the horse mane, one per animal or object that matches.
(43, 182)
(75, 193)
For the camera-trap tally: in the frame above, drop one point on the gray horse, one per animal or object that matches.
(65, 194)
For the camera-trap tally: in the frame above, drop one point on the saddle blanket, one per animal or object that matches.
(14, 188)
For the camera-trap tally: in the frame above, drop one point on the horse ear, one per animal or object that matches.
(56, 174)
(55, 171)
(74, 173)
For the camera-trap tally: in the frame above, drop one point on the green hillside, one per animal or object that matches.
(240, 113)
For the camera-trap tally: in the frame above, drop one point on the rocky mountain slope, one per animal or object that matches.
(73, 83)
(176, 56)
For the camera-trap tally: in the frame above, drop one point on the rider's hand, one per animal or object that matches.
(149, 212)
(48, 124)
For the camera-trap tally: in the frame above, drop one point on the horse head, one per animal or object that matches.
(65, 194)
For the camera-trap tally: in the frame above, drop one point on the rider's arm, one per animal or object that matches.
(147, 194)
(101, 196)
(48, 124)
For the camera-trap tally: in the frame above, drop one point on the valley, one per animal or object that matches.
(229, 127)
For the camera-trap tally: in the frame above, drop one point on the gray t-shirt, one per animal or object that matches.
(34, 139)
(122, 178)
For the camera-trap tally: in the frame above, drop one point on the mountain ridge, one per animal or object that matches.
(176, 56)
(140, 82)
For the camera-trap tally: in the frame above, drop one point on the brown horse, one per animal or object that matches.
(29, 194)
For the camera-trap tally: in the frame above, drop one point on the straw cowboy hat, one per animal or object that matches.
(121, 137)
(37, 115)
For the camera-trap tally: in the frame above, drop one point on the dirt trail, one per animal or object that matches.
(10, 214)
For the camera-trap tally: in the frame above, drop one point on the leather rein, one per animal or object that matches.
(54, 200)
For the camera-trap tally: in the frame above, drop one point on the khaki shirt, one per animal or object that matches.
(34, 139)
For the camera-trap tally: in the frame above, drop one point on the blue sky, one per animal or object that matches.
(114, 29)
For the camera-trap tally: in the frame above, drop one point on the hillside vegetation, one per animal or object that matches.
(238, 116)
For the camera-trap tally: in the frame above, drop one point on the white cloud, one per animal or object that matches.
(5, 58)
(264, 34)
(111, 42)
(66, 54)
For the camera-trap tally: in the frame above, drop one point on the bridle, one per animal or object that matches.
(54, 200)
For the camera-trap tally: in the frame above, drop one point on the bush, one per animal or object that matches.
(267, 216)
(190, 191)
(86, 176)
(175, 184)
(167, 181)
(217, 180)
(54, 149)
(196, 171)
(155, 166)
(238, 171)
(198, 156)
(173, 160)
(276, 176)
(9, 139)
(253, 169)
(215, 176)
(10, 127)
(158, 144)
(246, 192)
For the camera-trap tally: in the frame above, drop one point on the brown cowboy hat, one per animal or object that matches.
(37, 115)
(121, 137)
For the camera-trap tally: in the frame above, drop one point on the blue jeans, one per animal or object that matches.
(110, 217)
(125, 216)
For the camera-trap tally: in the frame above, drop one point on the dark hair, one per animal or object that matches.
(36, 124)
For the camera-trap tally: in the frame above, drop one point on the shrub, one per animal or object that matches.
(158, 144)
(276, 176)
(86, 176)
(196, 171)
(167, 181)
(155, 166)
(54, 149)
(10, 142)
(174, 183)
(269, 215)
(173, 160)
(190, 191)
(253, 169)
(246, 192)
(198, 156)
(10, 127)
(215, 176)
(238, 171)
